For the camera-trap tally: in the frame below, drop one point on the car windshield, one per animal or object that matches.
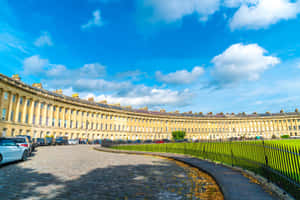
(19, 140)
(7, 142)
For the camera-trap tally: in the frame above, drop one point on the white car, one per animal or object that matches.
(10, 151)
(73, 141)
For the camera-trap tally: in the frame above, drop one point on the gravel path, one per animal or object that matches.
(79, 172)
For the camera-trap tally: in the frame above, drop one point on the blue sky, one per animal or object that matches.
(216, 55)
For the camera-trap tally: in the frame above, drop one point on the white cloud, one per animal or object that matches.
(181, 76)
(93, 70)
(255, 14)
(96, 21)
(56, 70)
(240, 62)
(34, 64)
(153, 97)
(44, 40)
(173, 10)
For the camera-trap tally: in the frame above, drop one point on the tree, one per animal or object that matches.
(178, 135)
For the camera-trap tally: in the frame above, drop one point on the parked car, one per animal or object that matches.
(30, 140)
(147, 141)
(166, 140)
(23, 142)
(61, 140)
(73, 141)
(48, 141)
(10, 151)
(39, 141)
(159, 142)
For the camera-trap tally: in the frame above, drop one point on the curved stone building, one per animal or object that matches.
(33, 111)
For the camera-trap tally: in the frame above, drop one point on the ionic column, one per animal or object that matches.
(37, 119)
(24, 112)
(31, 110)
(44, 115)
(56, 116)
(63, 117)
(17, 109)
(51, 115)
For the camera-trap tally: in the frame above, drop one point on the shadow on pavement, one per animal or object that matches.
(162, 180)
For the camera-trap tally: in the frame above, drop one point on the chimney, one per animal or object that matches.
(144, 108)
(58, 91)
(91, 99)
(37, 85)
(103, 102)
(75, 95)
(16, 77)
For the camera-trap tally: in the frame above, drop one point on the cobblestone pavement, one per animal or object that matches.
(79, 172)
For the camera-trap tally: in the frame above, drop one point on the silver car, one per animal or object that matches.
(10, 151)
(23, 142)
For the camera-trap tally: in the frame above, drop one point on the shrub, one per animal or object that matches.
(285, 136)
(178, 135)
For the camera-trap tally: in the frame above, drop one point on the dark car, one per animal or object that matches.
(147, 141)
(61, 141)
(40, 141)
(48, 141)
(166, 140)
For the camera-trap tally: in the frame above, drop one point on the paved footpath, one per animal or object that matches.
(80, 172)
(234, 185)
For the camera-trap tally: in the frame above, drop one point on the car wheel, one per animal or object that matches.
(25, 154)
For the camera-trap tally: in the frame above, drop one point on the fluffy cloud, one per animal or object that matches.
(93, 70)
(181, 76)
(173, 10)
(151, 97)
(96, 21)
(34, 64)
(44, 40)
(240, 62)
(255, 14)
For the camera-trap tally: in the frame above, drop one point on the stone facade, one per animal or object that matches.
(37, 112)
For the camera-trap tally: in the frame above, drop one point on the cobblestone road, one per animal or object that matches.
(79, 172)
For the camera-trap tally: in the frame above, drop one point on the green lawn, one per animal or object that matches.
(274, 159)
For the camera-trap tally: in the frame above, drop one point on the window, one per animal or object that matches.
(60, 109)
(66, 110)
(12, 115)
(42, 105)
(28, 102)
(14, 98)
(3, 114)
(20, 115)
(5, 95)
(54, 108)
(21, 100)
(53, 121)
